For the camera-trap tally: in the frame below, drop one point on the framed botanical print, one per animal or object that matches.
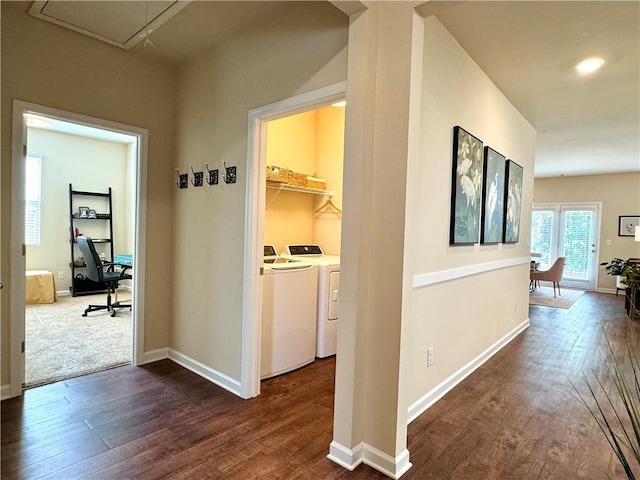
(512, 202)
(466, 188)
(492, 197)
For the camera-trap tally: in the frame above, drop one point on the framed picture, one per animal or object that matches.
(492, 197)
(627, 225)
(84, 212)
(512, 202)
(466, 188)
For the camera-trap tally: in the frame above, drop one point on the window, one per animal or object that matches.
(32, 195)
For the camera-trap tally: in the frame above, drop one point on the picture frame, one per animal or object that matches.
(466, 188)
(492, 225)
(627, 225)
(83, 212)
(91, 213)
(512, 202)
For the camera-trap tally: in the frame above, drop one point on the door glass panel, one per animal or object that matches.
(542, 236)
(577, 244)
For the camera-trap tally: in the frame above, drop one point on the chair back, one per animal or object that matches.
(91, 259)
(557, 269)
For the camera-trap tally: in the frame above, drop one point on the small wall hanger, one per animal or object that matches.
(213, 175)
(183, 179)
(197, 178)
(230, 174)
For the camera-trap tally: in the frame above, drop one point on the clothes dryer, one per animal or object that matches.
(289, 306)
(328, 294)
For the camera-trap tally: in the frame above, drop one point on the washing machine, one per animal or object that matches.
(289, 306)
(328, 294)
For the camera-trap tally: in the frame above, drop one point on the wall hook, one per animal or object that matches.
(213, 175)
(197, 178)
(229, 174)
(183, 181)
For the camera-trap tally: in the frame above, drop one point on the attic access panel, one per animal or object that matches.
(119, 23)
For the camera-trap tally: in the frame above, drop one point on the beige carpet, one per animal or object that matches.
(61, 344)
(544, 296)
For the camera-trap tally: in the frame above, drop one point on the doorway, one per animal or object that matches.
(21, 113)
(254, 221)
(571, 231)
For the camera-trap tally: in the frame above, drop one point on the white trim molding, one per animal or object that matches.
(432, 278)
(364, 453)
(5, 392)
(214, 376)
(435, 394)
(155, 355)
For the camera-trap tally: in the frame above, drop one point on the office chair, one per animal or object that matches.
(100, 271)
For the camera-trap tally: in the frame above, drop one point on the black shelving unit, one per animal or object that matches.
(103, 222)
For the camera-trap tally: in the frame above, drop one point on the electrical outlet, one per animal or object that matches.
(515, 307)
(429, 356)
(61, 274)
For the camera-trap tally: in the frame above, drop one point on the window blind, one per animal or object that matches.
(33, 200)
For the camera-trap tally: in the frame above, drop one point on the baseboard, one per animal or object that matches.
(345, 457)
(435, 394)
(155, 355)
(606, 290)
(5, 392)
(214, 376)
(63, 293)
(363, 453)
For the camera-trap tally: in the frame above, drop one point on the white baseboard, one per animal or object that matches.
(63, 293)
(606, 290)
(214, 376)
(155, 355)
(435, 394)
(363, 453)
(5, 392)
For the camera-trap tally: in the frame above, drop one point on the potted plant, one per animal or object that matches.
(624, 270)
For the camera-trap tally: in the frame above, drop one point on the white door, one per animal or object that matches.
(570, 231)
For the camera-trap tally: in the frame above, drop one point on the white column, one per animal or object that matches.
(369, 419)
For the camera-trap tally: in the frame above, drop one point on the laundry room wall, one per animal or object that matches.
(327, 226)
(91, 165)
(312, 143)
(291, 144)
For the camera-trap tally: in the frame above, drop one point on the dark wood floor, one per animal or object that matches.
(514, 418)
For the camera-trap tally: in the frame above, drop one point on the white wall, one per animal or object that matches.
(459, 318)
(90, 165)
(301, 50)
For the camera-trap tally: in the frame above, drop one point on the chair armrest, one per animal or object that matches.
(110, 267)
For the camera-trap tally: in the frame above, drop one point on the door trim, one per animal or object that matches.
(17, 231)
(254, 221)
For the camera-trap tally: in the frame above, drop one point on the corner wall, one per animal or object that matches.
(459, 300)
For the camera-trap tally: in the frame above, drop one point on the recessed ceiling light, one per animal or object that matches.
(589, 65)
(341, 103)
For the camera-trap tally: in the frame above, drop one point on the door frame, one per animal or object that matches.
(558, 208)
(254, 221)
(17, 229)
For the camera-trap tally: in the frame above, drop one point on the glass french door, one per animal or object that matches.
(570, 231)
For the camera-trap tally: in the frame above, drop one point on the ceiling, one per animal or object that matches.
(585, 124)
